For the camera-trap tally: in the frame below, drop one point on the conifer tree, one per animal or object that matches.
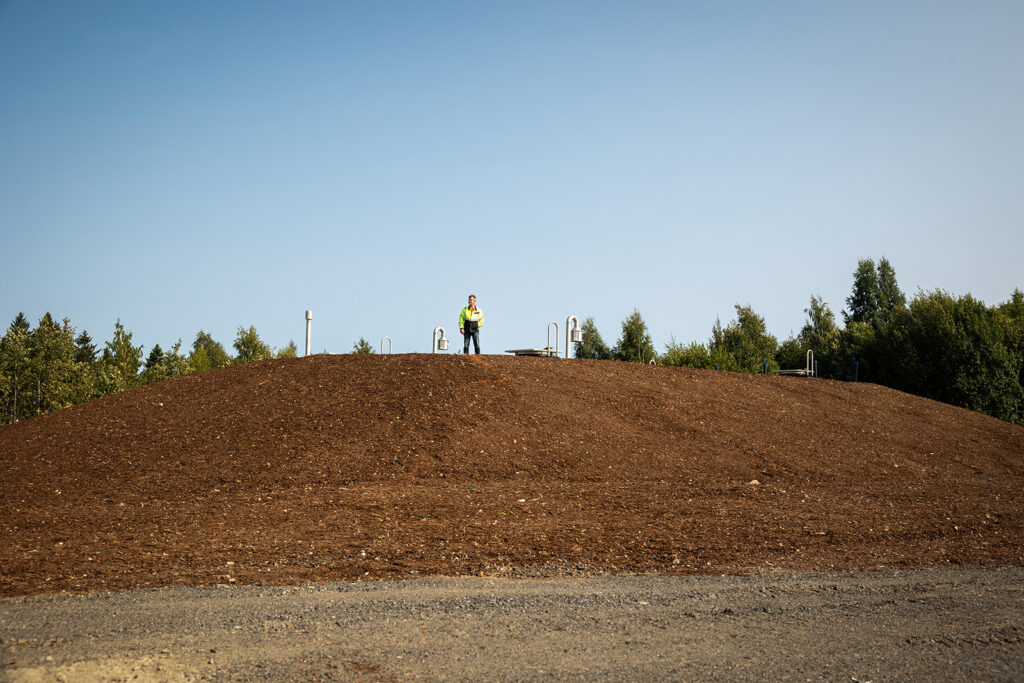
(86, 349)
(121, 360)
(14, 369)
(863, 301)
(890, 296)
(156, 356)
(362, 346)
(52, 366)
(875, 294)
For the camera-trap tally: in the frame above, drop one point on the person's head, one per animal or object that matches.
(472, 300)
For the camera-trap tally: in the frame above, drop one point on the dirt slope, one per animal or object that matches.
(341, 467)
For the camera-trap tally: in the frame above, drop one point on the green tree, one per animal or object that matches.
(863, 302)
(249, 347)
(163, 365)
(875, 295)
(856, 347)
(1014, 308)
(362, 346)
(746, 341)
(1011, 319)
(20, 324)
(791, 354)
(692, 355)
(54, 373)
(199, 361)
(15, 367)
(954, 349)
(820, 334)
(290, 351)
(208, 354)
(121, 361)
(890, 296)
(635, 344)
(156, 355)
(86, 349)
(593, 345)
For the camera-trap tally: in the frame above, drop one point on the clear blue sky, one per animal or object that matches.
(185, 165)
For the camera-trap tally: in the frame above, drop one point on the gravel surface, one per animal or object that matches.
(923, 624)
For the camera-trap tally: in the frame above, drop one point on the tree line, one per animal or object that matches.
(953, 349)
(51, 366)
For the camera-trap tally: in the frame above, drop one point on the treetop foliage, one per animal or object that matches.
(290, 351)
(362, 346)
(52, 367)
(744, 344)
(208, 354)
(635, 344)
(250, 347)
(875, 293)
(593, 345)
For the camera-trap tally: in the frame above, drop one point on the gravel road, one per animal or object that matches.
(924, 625)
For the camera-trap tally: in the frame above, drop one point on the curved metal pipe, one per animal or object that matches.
(435, 342)
(576, 325)
(382, 345)
(810, 363)
(549, 338)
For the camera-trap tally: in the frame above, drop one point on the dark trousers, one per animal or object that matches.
(475, 336)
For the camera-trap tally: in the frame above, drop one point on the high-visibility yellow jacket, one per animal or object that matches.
(467, 315)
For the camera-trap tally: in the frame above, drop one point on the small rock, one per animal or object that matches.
(754, 482)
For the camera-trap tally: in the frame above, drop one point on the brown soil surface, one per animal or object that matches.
(348, 467)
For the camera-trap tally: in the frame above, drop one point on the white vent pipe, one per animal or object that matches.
(436, 343)
(382, 345)
(575, 334)
(309, 329)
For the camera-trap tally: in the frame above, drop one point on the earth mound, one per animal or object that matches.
(367, 466)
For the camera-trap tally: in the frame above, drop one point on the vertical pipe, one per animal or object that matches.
(856, 367)
(765, 367)
(309, 329)
(815, 368)
(549, 338)
(382, 345)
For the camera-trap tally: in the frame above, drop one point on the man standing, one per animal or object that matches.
(470, 320)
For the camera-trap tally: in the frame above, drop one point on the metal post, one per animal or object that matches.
(815, 368)
(549, 338)
(766, 368)
(382, 345)
(309, 329)
(856, 367)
